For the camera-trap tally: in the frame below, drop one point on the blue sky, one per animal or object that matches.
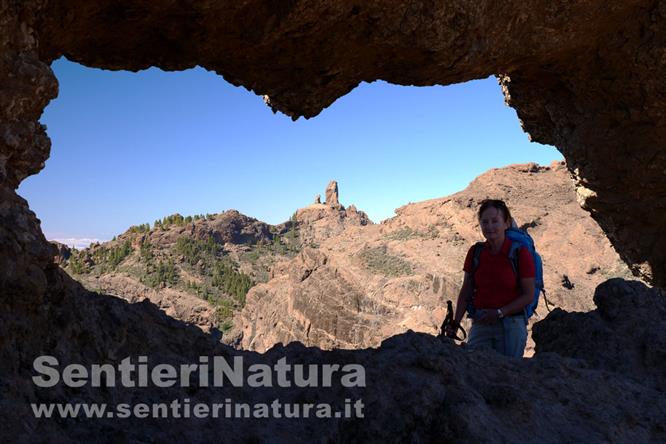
(128, 148)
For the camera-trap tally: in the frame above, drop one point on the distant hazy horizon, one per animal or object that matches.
(129, 148)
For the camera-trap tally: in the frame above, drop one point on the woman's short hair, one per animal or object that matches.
(495, 203)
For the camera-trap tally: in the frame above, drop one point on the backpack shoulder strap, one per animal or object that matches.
(514, 257)
(476, 256)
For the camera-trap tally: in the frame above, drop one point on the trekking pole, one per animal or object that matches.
(546, 300)
(448, 320)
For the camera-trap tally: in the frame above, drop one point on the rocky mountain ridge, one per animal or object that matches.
(199, 268)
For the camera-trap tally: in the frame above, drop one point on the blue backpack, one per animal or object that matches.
(519, 238)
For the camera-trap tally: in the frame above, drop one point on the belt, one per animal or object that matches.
(519, 314)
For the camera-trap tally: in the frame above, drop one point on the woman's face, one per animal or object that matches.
(493, 224)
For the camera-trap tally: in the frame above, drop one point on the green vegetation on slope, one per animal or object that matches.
(407, 233)
(194, 250)
(164, 273)
(198, 266)
(100, 258)
(378, 261)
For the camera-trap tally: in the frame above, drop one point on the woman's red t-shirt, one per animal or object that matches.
(494, 281)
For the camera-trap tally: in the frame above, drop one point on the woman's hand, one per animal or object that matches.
(451, 329)
(488, 317)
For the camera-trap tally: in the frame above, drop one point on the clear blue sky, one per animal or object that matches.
(128, 148)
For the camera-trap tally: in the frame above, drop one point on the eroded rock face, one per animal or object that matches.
(604, 109)
(28, 85)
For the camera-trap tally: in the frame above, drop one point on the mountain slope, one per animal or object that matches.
(331, 278)
(199, 268)
(372, 282)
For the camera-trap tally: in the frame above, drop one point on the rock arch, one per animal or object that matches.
(584, 76)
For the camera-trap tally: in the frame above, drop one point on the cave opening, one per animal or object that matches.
(130, 148)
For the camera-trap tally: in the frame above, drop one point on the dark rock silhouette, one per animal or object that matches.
(626, 334)
(418, 387)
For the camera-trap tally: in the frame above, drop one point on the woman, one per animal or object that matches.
(497, 294)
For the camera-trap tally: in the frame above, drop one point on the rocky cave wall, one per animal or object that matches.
(585, 76)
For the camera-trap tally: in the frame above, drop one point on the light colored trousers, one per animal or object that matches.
(507, 336)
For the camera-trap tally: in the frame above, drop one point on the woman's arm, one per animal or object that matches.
(464, 297)
(526, 296)
(513, 307)
(527, 272)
